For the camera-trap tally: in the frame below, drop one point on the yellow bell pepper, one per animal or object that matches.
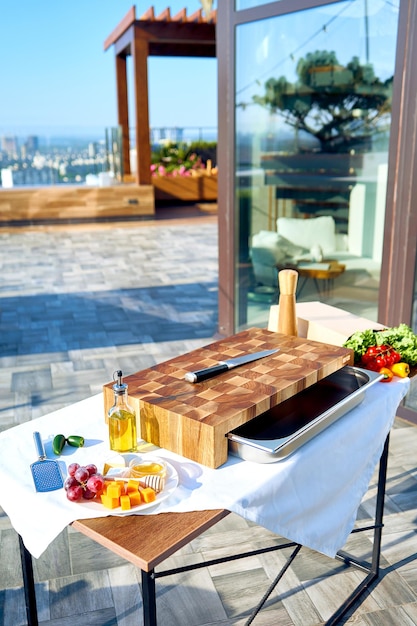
(400, 369)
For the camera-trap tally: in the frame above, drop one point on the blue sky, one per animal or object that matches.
(56, 75)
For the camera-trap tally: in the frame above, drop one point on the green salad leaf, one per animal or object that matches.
(401, 338)
(360, 341)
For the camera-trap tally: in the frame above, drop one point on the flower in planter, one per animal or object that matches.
(177, 160)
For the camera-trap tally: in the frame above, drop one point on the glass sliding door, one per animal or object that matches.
(248, 4)
(313, 95)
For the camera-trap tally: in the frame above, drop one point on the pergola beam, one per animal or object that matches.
(128, 19)
(182, 36)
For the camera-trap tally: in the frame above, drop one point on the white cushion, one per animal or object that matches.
(277, 245)
(306, 233)
(342, 242)
(268, 240)
(265, 239)
(290, 249)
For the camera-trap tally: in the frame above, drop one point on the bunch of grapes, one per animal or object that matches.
(83, 482)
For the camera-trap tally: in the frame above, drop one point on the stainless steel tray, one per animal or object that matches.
(283, 429)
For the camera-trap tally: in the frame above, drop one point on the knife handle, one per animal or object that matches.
(208, 372)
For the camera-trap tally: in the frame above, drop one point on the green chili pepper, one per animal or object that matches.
(75, 441)
(58, 443)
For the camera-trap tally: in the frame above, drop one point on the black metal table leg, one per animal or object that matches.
(373, 567)
(28, 584)
(149, 598)
(379, 510)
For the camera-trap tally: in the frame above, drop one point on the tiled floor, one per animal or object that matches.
(78, 302)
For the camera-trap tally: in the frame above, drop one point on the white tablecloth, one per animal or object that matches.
(311, 497)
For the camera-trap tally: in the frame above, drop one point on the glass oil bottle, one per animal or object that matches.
(121, 419)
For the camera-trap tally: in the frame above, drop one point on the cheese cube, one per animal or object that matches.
(125, 503)
(147, 493)
(109, 502)
(132, 486)
(135, 498)
(114, 490)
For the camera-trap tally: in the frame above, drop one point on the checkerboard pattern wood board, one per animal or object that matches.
(194, 419)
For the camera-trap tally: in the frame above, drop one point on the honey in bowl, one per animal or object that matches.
(147, 467)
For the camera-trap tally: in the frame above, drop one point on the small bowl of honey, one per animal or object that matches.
(140, 467)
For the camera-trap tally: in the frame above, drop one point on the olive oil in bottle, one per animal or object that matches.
(122, 419)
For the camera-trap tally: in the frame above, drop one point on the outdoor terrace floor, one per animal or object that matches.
(76, 303)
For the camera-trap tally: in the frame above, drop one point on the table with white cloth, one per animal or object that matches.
(311, 497)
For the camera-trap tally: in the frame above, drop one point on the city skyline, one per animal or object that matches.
(58, 80)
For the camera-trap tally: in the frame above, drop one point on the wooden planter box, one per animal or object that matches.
(186, 188)
(70, 202)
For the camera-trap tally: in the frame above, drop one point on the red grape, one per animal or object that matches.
(95, 483)
(71, 481)
(74, 493)
(91, 469)
(87, 494)
(82, 475)
(83, 481)
(73, 468)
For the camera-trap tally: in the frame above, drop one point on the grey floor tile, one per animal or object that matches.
(91, 592)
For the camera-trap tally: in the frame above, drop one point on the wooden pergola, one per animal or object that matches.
(162, 35)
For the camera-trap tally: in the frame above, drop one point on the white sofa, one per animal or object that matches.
(299, 239)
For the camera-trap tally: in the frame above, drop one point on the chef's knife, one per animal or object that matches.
(224, 366)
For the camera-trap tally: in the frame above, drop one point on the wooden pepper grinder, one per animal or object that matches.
(287, 317)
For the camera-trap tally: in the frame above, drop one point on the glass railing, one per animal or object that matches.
(188, 134)
(70, 157)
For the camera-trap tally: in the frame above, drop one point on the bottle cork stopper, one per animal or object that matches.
(287, 317)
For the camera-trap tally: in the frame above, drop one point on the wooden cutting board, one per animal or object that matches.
(194, 419)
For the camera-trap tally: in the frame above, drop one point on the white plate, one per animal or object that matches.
(171, 483)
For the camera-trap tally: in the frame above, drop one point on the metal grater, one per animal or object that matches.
(46, 473)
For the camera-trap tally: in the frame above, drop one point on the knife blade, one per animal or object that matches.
(224, 366)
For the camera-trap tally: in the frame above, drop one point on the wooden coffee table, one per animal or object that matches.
(325, 272)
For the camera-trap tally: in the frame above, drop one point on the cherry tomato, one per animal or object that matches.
(381, 361)
(396, 356)
(389, 358)
(375, 357)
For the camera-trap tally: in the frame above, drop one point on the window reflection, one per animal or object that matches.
(313, 112)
